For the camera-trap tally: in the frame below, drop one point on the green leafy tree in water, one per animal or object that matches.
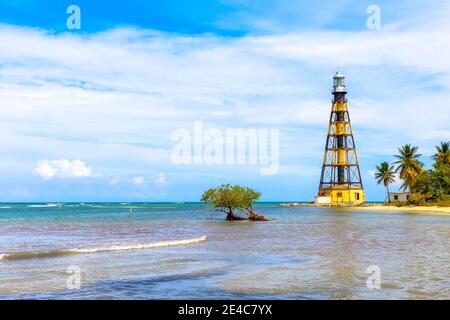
(442, 155)
(229, 199)
(408, 165)
(385, 174)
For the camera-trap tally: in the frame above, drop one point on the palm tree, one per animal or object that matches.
(408, 165)
(442, 155)
(385, 174)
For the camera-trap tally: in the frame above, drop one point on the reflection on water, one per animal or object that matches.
(303, 253)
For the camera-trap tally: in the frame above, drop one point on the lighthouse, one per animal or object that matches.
(340, 180)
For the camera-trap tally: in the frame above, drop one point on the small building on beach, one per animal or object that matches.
(397, 196)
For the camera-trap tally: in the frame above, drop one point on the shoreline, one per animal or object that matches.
(414, 209)
(379, 207)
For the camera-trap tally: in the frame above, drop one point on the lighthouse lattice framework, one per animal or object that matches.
(340, 180)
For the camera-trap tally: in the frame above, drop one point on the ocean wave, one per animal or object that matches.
(48, 205)
(63, 252)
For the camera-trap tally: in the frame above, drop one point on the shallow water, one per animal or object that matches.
(303, 253)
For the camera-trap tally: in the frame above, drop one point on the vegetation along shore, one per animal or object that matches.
(425, 187)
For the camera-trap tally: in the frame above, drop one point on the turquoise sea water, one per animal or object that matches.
(158, 251)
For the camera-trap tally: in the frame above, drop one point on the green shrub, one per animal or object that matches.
(419, 199)
(397, 203)
(435, 183)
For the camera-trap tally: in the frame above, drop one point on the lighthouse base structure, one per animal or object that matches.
(337, 195)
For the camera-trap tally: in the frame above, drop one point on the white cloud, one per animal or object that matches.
(62, 168)
(114, 181)
(166, 79)
(161, 179)
(138, 180)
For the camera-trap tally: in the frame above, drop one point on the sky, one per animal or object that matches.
(89, 114)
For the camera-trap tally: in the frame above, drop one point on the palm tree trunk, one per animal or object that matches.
(389, 198)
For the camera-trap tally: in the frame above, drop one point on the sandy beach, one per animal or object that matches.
(416, 209)
(381, 208)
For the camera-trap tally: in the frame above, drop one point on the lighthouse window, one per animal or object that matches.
(339, 82)
(357, 196)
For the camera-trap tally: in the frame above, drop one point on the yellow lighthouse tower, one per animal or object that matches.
(340, 180)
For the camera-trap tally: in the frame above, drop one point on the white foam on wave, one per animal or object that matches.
(52, 253)
(140, 245)
(48, 205)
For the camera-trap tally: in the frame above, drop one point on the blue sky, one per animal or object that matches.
(87, 115)
(226, 17)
